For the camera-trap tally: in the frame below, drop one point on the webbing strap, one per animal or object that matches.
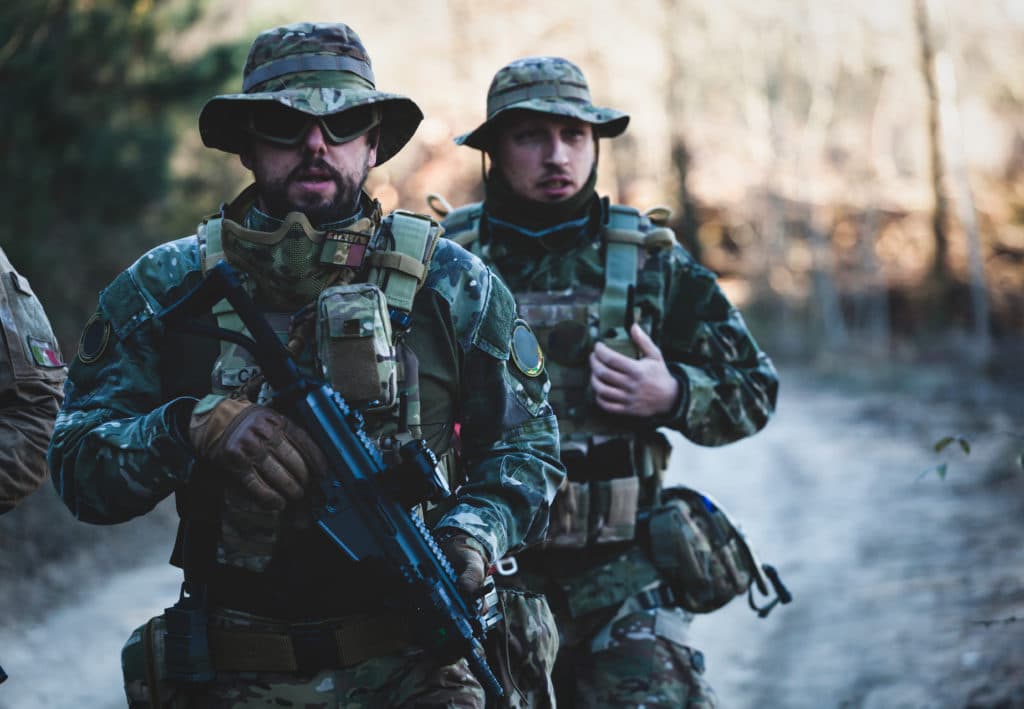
(622, 259)
(309, 647)
(211, 235)
(412, 237)
(307, 62)
(399, 262)
(539, 89)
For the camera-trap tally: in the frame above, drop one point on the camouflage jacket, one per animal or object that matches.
(121, 443)
(728, 386)
(32, 375)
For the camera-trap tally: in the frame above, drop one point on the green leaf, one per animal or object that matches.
(965, 445)
(940, 444)
(940, 470)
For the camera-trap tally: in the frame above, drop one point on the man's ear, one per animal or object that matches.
(372, 143)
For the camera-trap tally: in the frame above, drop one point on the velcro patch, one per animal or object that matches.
(44, 353)
(526, 352)
(94, 340)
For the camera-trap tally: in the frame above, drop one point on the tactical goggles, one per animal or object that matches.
(276, 123)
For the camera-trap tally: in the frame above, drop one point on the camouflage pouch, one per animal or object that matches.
(522, 650)
(570, 517)
(596, 512)
(142, 665)
(703, 555)
(355, 348)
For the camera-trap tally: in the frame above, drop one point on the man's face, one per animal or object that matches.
(543, 157)
(320, 179)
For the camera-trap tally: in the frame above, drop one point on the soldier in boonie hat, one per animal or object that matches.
(400, 322)
(630, 330)
(316, 69)
(545, 85)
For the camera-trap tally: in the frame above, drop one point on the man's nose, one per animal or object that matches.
(558, 151)
(315, 141)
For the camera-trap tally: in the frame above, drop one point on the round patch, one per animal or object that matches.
(94, 340)
(526, 352)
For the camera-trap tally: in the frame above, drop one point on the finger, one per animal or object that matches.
(316, 461)
(612, 360)
(258, 490)
(605, 392)
(284, 471)
(609, 376)
(613, 406)
(644, 343)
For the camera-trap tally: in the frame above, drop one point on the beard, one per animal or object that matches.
(319, 210)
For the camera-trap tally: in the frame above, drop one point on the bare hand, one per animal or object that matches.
(633, 387)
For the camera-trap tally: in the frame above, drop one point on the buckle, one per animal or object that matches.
(506, 566)
(660, 597)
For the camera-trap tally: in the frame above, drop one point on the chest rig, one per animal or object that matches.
(352, 335)
(612, 466)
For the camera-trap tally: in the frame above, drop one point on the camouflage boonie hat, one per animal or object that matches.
(318, 69)
(546, 85)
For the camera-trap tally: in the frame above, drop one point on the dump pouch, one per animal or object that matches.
(702, 554)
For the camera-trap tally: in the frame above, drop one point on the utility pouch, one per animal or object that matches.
(703, 555)
(607, 584)
(570, 517)
(613, 509)
(355, 348)
(186, 642)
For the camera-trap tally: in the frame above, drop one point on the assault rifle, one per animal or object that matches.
(362, 505)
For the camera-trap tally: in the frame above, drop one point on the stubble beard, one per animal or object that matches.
(319, 211)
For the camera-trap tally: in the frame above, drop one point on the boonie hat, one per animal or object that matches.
(315, 68)
(545, 85)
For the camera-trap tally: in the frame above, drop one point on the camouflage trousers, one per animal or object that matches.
(638, 658)
(411, 679)
(522, 650)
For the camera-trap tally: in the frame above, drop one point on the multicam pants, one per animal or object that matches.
(407, 680)
(522, 651)
(638, 658)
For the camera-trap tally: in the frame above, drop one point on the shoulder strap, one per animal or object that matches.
(626, 234)
(462, 226)
(623, 241)
(400, 267)
(211, 248)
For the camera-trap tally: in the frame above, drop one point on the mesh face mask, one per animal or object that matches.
(286, 265)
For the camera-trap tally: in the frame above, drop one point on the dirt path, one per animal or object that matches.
(893, 578)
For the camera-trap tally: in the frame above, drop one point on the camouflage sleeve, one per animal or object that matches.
(509, 433)
(119, 445)
(728, 385)
(32, 375)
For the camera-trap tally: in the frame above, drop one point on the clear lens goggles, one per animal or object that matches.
(276, 123)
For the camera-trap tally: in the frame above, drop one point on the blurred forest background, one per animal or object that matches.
(854, 171)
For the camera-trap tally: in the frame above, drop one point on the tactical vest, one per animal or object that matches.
(613, 468)
(358, 347)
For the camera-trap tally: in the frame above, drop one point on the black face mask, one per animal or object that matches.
(504, 204)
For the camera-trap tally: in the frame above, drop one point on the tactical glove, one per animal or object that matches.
(469, 560)
(269, 456)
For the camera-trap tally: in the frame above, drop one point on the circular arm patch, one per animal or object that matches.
(526, 352)
(94, 340)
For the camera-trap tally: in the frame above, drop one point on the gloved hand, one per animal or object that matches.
(268, 455)
(469, 560)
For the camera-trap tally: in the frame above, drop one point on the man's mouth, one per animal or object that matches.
(556, 185)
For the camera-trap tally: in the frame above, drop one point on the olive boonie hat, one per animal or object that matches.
(318, 69)
(545, 85)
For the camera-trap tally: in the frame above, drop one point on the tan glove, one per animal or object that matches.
(469, 560)
(268, 455)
